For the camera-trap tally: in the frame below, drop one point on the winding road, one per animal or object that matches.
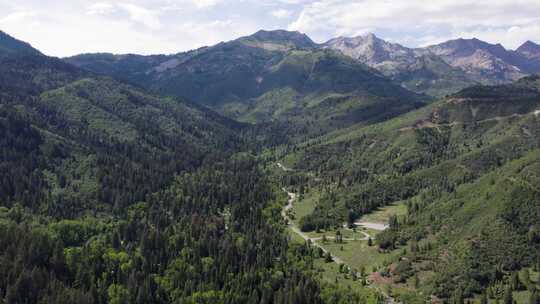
(376, 226)
(295, 229)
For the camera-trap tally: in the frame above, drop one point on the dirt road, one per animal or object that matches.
(295, 229)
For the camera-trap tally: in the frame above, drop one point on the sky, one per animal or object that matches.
(69, 27)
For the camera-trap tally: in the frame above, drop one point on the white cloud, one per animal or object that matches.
(423, 19)
(17, 16)
(142, 15)
(121, 27)
(209, 33)
(20, 21)
(100, 8)
(293, 1)
(62, 27)
(205, 3)
(136, 13)
(281, 13)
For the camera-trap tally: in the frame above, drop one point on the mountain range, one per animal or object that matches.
(434, 70)
(269, 76)
(443, 68)
(160, 179)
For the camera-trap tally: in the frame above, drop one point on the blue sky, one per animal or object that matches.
(63, 28)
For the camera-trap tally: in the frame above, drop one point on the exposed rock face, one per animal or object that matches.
(450, 63)
(416, 69)
(377, 53)
(436, 70)
(279, 40)
(484, 62)
(529, 50)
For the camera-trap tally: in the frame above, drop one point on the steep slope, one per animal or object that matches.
(110, 194)
(529, 50)
(436, 70)
(487, 63)
(130, 67)
(486, 222)
(80, 126)
(227, 71)
(323, 90)
(528, 57)
(464, 167)
(387, 57)
(462, 123)
(415, 69)
(279, 40)
(25, 76)
(444, 68)
(141, 69)
(268, 76)
(12, 46)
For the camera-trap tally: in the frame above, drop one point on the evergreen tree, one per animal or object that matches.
(507, 297)
(534, 298)
(329, 258)
(484, 298)
(514, 281)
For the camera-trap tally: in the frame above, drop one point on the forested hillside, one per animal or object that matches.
(267, 169)
(203, 239)
(270, 76)
(11, 46)
(80, 127)
(464, 168)
(111, 194)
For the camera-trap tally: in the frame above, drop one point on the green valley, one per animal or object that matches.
(269, 169)
(462, 166)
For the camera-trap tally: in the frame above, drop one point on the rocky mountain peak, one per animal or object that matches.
(529, 49)
(466, 47)
(283, 37)
(361, 41)
(368, 48)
